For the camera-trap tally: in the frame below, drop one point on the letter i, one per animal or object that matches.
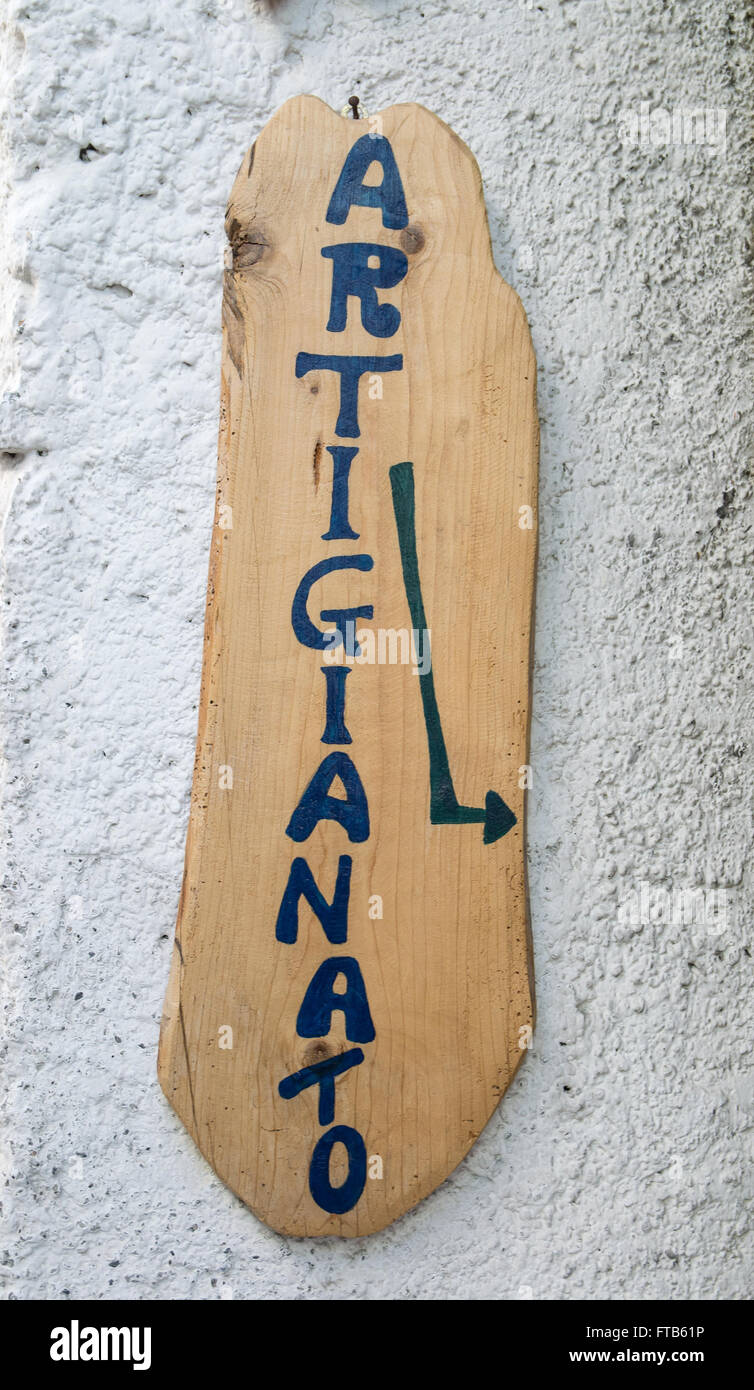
(335, 724)
(340, 528)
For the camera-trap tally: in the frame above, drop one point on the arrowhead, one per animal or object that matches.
(498, 818)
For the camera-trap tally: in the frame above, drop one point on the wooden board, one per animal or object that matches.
(424, 806)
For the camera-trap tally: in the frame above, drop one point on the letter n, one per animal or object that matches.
(333, 916)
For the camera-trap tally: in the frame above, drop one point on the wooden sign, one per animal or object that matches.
(351, 989)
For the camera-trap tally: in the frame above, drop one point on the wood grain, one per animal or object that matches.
(447, 967)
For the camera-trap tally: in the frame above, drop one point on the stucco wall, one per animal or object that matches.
(619, 1164)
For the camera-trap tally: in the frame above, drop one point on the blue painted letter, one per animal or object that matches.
(315, 805)
(335, 708)
(351, 370)
(350, 190)
(353, 275)
(333, 916)
(338, 1199)
(321, 1001)
(311, 636)
(340, 528)
(322, 1074)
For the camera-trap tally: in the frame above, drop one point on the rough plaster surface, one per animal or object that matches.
(619, 1163)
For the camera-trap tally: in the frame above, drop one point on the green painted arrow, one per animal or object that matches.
(444, 806)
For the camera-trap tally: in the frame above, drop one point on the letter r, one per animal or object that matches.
(353, 275)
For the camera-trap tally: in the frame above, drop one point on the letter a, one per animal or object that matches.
(61, 1344)
(320, 1002)
(350, 190)
(315, 804)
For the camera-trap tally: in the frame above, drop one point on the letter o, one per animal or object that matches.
(338, 1199)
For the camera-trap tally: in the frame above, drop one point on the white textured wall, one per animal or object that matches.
(619, 1164)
